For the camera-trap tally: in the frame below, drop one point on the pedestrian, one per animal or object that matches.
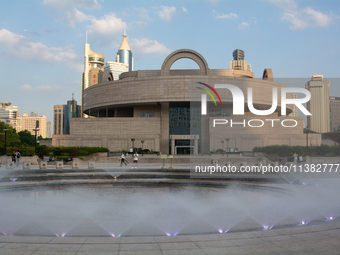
(18, 155)
(135, 159)
(295, 158)
(300, 159)
(13, 157)
(122, 160)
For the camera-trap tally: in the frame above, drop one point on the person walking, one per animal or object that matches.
(122, 160)
(17, 156)
(300, 159)
(135, 159)
(295, 158)
(13, 157)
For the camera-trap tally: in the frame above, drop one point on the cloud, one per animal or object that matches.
(214, 2)
(243, 25)
(148, 46)
(33, 33)
(26, 87)
(109, 25)
(184, 9)
(65, 5)
(303, 18)
(227, 16)
(39, 88)
(74, 16)
(167, 12)
(22, 47)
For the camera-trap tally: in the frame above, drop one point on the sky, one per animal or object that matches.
(42, 41)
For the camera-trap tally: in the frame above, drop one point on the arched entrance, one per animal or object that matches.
(184, 53)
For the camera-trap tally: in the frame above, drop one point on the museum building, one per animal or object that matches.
(162, 109)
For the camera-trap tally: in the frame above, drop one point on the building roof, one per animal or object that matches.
(124, 45)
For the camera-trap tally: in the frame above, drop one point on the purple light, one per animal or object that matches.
(220, 230)
(227, 230)
(302, 223)
(63, 234)
(329, 218)
(13, 179)
(4, 233)
(176, 234)
(57, 235)
(168, 234)
(265, 227)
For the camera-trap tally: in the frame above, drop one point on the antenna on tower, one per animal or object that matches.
(72, 93)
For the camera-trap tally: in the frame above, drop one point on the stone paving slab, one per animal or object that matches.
(298, 240)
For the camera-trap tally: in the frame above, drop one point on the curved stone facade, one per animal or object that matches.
(140, 106)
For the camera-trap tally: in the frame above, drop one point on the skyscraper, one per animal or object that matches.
(318, 105)
(63, 114)
(238, 62)
(124, 54)
(93, 70)
(115, 69)
(334, 105)
(48, 129)
(294, 113)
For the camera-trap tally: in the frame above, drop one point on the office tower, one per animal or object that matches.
(238, 62)
(93, 70)
(48, 129)
(124, 54)
(115, 68)
(318, 105)
(63, 114)
(9, 114)
(334, 105)
(294, 113)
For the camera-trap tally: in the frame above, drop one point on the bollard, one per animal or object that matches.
(10, 165)
(171, 157)
(164, 157)
(43, 165)
(91, 164)
(75, 165)
(59, 165)
(26, 165)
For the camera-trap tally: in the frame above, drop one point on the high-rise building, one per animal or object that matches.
(48, 129)
(238, 62)
(124, 54)
(318, 105)
(9, 114)
(93, 70)
(30, 123)
(115, 69)
(294, 113)
(334, 105)
(62, 116)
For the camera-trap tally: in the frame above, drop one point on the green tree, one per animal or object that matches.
(13, 138)
(26, 138)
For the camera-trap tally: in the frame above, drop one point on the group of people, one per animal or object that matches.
(16, 157)
(125, 161)
(297, 159)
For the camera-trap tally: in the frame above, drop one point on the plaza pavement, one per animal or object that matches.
(316, 239)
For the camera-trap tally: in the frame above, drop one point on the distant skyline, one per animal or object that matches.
(42, 41)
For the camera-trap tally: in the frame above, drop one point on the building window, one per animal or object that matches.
(151, 114)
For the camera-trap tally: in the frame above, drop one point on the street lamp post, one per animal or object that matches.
(222, 146)
(142, 147)
(5, 130)
(227, 146)
(307, 137)
(35, 140)
(133, 144)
